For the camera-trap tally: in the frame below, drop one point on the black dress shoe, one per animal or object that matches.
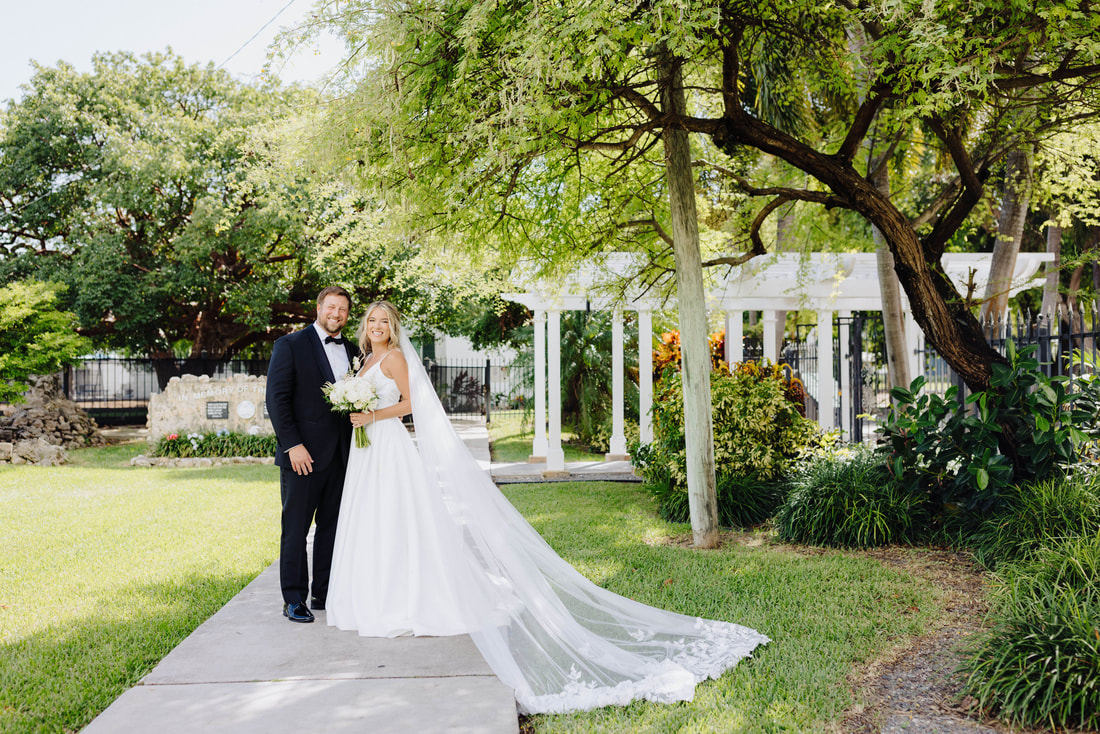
(297, 612)
(318, 605)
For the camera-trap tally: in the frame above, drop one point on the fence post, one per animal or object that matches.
(1046, 354)
(488, 390)
(961, 384)
(855, 369)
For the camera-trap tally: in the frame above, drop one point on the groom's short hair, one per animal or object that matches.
(333, 290)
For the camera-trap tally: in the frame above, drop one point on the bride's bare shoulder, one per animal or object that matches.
(394, 360)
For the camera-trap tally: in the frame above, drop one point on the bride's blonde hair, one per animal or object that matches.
(395, 325)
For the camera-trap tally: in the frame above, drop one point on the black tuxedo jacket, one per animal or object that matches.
(296, 405)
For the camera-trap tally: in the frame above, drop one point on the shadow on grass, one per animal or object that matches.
(59, 679)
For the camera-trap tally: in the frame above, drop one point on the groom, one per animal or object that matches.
(312, 447)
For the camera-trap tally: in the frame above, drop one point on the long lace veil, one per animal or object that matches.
(560, 641)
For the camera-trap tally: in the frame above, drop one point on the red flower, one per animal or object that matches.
(172, 436)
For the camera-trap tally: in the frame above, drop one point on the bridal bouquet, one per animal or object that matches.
(353, 394)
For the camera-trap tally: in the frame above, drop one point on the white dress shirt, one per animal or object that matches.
(337, 354)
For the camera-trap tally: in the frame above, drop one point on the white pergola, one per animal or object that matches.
(827, 283)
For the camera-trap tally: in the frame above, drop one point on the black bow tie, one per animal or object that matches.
(334, 340)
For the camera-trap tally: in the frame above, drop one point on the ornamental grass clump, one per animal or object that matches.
(1039, 663)
(1035, 513)
(742, 501)
(848, 499)
(213, 444)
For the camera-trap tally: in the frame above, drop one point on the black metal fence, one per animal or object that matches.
(859, 369)
(1066, 346)
(115, 390)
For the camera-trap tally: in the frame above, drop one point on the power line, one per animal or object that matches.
(256, 34)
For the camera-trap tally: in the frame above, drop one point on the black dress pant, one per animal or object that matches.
(312, 497)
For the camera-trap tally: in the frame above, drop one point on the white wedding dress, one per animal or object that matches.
(427, 545)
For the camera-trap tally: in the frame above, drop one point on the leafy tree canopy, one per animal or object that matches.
(35, 337)
(164, 195)
(527, 118)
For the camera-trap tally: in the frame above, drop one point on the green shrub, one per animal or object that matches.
(1039, 663)
(742, 501)
(214, 443)
(758, 431)
(1024, 429)
(849, 501)
(1035, 513)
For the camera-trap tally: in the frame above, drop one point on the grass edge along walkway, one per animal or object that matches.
(109, 567)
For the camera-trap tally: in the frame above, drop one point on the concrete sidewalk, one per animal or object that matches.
(476, 437)
(247, 669)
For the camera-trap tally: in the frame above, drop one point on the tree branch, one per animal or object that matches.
(861, 123)
(652, 223)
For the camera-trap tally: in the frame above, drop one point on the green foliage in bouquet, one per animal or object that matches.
(214, 444)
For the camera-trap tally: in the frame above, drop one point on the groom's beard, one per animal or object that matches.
(331, 325)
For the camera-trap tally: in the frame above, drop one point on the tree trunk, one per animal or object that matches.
(1051, 297)
(1010, 231)
(893, 319)
(694, 346)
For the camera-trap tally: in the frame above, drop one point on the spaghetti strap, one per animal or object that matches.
(378, 363)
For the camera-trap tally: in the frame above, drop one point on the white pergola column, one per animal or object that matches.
(645, 375)
(771, 348)
(617, 447)
(845, 375)
(735, 337)
(826, 387)
(913, 336)
(555, 456)
(539, 446)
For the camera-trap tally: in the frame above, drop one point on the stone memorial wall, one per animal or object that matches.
(200, 404)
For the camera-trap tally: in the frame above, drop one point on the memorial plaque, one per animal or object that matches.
(198, 403)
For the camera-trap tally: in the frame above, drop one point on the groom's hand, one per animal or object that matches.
(300, 460)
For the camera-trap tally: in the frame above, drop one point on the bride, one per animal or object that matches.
(427, 545)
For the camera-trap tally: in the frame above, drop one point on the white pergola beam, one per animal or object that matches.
(820, 282)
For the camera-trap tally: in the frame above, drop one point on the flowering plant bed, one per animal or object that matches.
(214, 444)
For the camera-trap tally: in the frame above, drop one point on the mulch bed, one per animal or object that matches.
(913, 687)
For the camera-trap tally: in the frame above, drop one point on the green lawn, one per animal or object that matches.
(105, 568)
(510, 440)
